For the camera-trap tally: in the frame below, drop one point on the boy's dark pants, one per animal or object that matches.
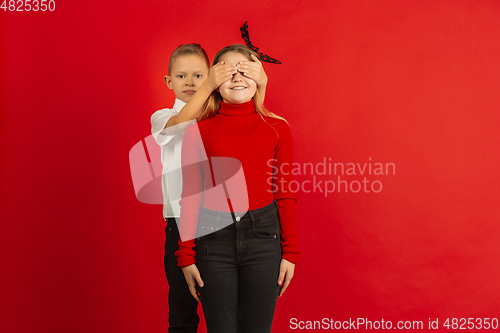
(183, 316)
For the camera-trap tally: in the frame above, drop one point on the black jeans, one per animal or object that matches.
(183, 316)
(239, 265)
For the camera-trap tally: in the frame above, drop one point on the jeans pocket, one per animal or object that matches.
(268, 226)
(267, 229)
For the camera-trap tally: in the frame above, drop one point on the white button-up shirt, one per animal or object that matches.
(171, 180)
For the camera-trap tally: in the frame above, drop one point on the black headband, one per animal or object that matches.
(246, 37)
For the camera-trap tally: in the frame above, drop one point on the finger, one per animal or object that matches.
(255, 72)
(228, 75)
(249, 68)
(223, 78)
(284, 286)
(225, 66)
(250, 65)
(220, 66)
(249, 75)
(281, 277)
(249, 72)
(226, 70)
(199, 280)
(196, 277)
(217, 70)
(194, 292)
(216, 65)
(255, 58)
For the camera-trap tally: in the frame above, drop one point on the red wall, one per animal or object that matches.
(413, 83)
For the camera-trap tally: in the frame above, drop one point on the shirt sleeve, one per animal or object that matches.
(159, 120)
(192, 159)
(285, 198)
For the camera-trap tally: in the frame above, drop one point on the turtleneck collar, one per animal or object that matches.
(237, 109)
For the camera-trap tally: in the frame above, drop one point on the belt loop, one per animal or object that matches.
(251, 213)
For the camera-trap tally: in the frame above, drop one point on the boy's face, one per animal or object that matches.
(187, 74)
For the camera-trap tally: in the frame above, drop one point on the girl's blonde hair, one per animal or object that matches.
(212, 105)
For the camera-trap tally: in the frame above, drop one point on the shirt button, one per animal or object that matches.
(238, 219)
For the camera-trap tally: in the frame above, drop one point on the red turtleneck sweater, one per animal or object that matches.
(211, 150)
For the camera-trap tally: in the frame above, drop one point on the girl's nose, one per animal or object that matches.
(237, 76)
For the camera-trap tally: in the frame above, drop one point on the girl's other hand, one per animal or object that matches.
(192, 276)
(220, 73)
(286, 273)
(254, 70)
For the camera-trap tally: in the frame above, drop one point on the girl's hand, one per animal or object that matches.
(193, 276)
(254, 70)
(220, 73)
(286, 273)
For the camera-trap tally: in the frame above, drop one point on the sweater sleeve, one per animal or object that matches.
(192, 195)
(283, 194)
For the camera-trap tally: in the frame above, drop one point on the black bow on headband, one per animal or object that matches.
(246, 37)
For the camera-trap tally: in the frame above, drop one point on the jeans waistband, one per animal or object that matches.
(252, 215)
(171, 221)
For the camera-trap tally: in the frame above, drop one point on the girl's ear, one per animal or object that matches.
(168, 82)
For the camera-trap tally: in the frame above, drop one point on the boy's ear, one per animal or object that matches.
(168, 82)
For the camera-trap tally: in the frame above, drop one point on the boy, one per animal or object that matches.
(192, 81)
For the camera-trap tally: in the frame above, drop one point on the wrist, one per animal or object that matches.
(208, 87)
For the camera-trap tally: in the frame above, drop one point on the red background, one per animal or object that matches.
(414, 83)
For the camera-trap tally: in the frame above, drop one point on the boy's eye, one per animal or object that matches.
(198, 76)
(180, 76)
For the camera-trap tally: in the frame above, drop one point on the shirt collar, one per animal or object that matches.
(178, 105)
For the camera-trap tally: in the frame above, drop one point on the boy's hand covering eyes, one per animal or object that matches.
(220, 73)
(254, 70)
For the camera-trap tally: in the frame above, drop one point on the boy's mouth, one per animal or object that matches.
(238, 88)
(189, 92)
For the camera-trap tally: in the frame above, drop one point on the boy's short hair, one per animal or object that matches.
(187, 49)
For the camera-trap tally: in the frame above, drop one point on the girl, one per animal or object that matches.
(248, 247)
